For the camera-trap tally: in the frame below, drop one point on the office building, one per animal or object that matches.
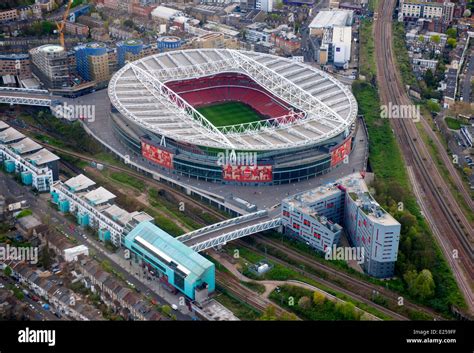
(316, 217)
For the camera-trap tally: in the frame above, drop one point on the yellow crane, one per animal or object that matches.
(61, 25)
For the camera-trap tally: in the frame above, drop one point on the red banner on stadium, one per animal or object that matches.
(340, 152)
(246, 173)
(157, 155)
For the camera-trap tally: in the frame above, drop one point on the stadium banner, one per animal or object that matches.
(340, 152)
(245, 173)
(157, 155)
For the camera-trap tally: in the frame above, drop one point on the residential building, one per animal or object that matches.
(36, 166)
(92, 62)
(15, 65)
(50, 65)
(94, 208)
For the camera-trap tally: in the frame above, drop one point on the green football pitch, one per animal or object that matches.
(230, 113)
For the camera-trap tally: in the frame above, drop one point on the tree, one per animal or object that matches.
(467, 13)
(166, 309)
(452, 33)
(288, 317)
(430, 79)
(425, 284)
(7, 271)
(407, 220)
(269, 314)
(304, 303)
(433, 106)
(452, 42)
(348, 310)
(436, 38)
(420, 285)
(318, 298)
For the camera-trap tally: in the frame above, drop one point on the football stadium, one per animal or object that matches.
(232, 116)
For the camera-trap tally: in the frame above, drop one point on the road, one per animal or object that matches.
(40, 313)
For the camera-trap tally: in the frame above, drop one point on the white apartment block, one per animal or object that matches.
(18, 154)
(93, 207)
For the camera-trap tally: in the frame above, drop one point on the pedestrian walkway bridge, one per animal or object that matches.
(25, 96)
(231, 229)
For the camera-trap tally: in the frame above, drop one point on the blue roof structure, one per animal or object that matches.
(160, 244)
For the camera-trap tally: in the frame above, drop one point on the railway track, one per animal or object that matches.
(232, 285)
(445, 214)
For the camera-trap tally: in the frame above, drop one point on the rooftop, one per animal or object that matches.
(99, 196)
(26, 145)
(79, 182)
(3, 125)
(42, 157)
(9, 135)
(332, 18)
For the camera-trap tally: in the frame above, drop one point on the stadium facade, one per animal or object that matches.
(306, 125)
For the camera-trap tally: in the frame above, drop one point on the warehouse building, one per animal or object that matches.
(316, 217)
(177, 264)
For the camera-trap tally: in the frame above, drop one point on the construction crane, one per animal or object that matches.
(61, 25)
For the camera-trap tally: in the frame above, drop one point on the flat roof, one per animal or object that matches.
(118, 214)
(41, 157)
(79, 182)
(332, 18)
(99, 196)
(170, 249)
(26, 145)
(9, 135)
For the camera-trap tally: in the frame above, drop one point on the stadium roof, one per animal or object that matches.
(326, 108)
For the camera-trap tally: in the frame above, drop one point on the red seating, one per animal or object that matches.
(230, 87)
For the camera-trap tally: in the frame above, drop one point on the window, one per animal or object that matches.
(306, 222)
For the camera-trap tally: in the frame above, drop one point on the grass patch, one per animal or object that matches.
(454, 124)
(401, 55)
(128, 180)
(229, 113)
(367, 65)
